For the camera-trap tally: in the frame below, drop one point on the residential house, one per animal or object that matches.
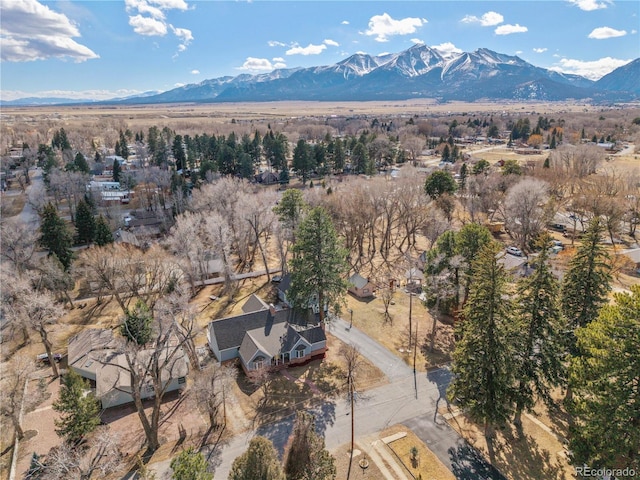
(274, 337)
(283, 289)
(94, 354)
(513, 264)
(361, 287)
(633, 254)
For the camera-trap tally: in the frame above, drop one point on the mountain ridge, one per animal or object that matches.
(417, 72)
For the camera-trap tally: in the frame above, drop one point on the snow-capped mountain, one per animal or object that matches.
(418, 72)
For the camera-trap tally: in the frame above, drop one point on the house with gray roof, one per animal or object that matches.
(273, 337)
(361, 287)
(94, 354)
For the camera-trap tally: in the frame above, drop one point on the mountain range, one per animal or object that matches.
(418, 72)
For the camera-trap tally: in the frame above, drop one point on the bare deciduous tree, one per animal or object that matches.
(12, 391)
(19, 243)
(99, 457)
(211, 387)
(527, 210)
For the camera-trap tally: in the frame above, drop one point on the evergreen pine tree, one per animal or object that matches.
(190, 465)
(259, 462)
(483, 359)
(103, 234)
(137, 325)
(55, 236)
(539, 365)
(117, 170)
(319, 265)
(605, 378)
(79, 410)
(85, 224)
(586, 283)
(306, 457)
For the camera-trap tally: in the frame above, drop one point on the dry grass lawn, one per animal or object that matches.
(428, 466)
(368, 316)
(535, 454)
(343, 455)
(11, 205)
(300, 388)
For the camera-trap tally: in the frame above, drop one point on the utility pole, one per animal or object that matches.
(352, 425)
(410, 301)
(415, 353)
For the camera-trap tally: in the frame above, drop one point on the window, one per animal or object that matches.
(300, 351)
(182, 380)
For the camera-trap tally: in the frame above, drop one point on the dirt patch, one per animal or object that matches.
(424, 464)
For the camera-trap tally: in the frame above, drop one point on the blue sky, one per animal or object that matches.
(102, 49)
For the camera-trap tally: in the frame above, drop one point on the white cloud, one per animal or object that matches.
(383, 26)
(601, 33)
(447, 49)
(147, 26)
(147, 17)
(179, 84)
(345, 22)
(509, 29)
(331, 43)
(195, 72)
(489, 19)
(590, 69)
(540, 50)
(141, 6)
(257, 64)
(274, 43)
(417, 40)
(589, 5)
(32, 31)
(8, 95)
(518, 52)
(310, 49)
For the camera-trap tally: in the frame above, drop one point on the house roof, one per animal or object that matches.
(96, 350)
(229, 332)
(269, 341)
(358, 280)
(633, 254)
(285, 283)
(88, 348)
(511, 262)
(414, 274)
(314, 334)
(254, 304)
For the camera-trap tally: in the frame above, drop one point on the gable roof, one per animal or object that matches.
(229, 332)
(314, 334)
(285, 283)
(91, 346)
(633, 254)
(254, 304)
(358, 280)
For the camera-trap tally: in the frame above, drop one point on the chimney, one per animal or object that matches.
(272, 309)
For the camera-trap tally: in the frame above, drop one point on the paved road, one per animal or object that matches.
(28, 215)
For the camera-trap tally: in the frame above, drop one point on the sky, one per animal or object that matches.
(101, 49)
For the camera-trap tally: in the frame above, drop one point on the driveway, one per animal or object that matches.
(391, 365)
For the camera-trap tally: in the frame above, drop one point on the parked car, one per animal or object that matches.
(558, 227)
(276, 279)
(558, 243)
(44, 358)
(515, 251)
